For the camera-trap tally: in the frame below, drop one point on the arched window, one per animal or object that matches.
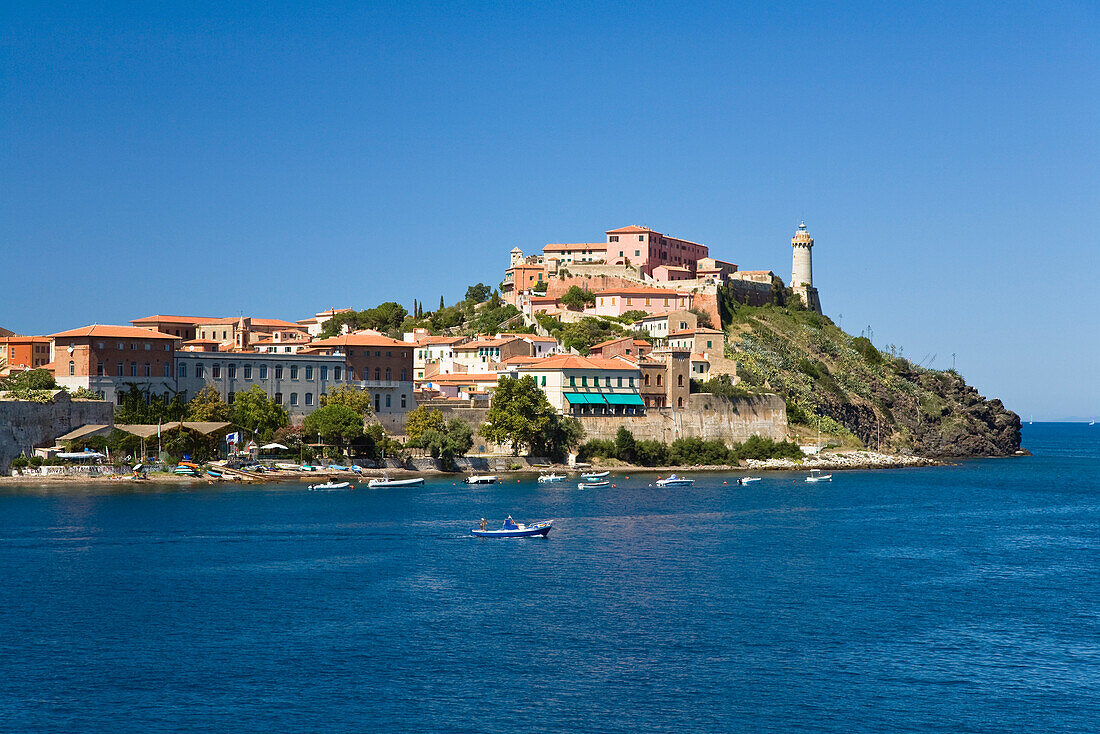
(680, 380)
(378, 373)
(72, 368)
(646, 383)
(659, 380)
(679, 402)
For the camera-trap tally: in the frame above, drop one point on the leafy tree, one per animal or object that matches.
(478, 293)
(351, 396)
(253, 410)
(383, 317)
(597, 447)
(83, 393)
(703, 318)
(539, 287)
(519, 413)
(441, 307)
(335, 325)
(625, 445)
(33, 380)
(632, 316)
(207, 405)
(422, 419)
(336, 424)
(454, 439)
(561, 434)
(586, 332)
(652, 453)
(576, 298)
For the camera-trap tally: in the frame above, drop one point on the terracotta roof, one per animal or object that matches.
(608, 341)
(178, 319)
(462, 377)
(230, 320)
(203, 341)
(478, 344)
(690, 332)
(640, 291)
(564, 246)
(440, 340)
(359, 340)
(112, 332)
(571, 362)
(520, 360)
(24, 339)
(545, 299)
(632, 229)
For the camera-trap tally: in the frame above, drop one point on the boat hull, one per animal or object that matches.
(598, 475)
(377, 483)
(539, 530)
(590, 485)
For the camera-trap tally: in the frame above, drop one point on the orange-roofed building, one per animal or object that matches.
(185, 327)
(588, 385)
(23, 353)
(648, 249)
(617, 301)
(624, 346)
(376, 363)
(107, 359)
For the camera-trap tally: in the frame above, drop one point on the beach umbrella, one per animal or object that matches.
(267, 446)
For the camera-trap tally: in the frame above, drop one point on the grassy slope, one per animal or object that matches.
(847, 388)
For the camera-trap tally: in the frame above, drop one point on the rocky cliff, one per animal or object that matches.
(843, 385)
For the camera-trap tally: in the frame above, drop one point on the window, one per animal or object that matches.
(99, 370)
(659, 380)
(389, 354)
(336, 373)
(708, 344)
(679, 402)
(387, 374)
(133, 346)
(232, 372)
(168, 347)
(641, 238)
(182, 371)
(167, 370)
(378, 373)
(387, 401)
(584, 382)
(637, 253)
(309, 398)
(680, 380)
(377, 402)
(278, 372)
(293, 398)
(216, 372)
(148, 346)
(544, 380)
(645, 380)
(607, 382)
(404, 374)
(572, 381)
(632, 382)
(99, 345)
(309, 372)
(263, 371)
(293, 375)
(121, 346)
(378, 354)
(133, 369)
(118, 398)
(278, 398)
(72, 368)
(614, 238)
(621, 381)
(248, 372)
(198, 370)
(230, 397)
(324, 372)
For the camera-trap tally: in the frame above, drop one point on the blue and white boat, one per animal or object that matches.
(513, 529)
(551, 478)
(595, 475)
(595, 483)
(331, 485)
(675, 481)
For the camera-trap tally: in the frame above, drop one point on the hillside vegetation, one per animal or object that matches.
(842, 385)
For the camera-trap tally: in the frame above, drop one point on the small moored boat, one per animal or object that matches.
(596, 483)
(817, 476)
(675, 481)
(480, 479)
(746, 480)
(513, 529)
(551, 477)
(331, 485)
(385, 481)
(596, 475)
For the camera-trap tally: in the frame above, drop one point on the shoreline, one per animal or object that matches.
(843, 461)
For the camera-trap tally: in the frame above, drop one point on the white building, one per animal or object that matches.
(589, 386)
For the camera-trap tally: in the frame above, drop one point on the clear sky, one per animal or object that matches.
(277, 159)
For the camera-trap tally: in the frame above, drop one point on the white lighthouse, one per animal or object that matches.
(802, 268)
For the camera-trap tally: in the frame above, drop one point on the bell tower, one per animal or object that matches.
(802, 269)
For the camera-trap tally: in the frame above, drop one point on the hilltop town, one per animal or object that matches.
(628, 332)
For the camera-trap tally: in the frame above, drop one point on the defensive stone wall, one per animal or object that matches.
(25, 425)
(705, 416)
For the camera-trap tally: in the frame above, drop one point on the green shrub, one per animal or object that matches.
(35, 461)
(19, 462)
(864, 346)
(597, 447)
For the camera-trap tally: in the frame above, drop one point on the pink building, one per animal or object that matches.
(617, 301)
(648, 249)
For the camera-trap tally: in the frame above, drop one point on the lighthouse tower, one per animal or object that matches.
(802, 269)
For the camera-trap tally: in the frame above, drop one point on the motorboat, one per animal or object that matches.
(214, 473)
(596, 475)
(306, 467)
(480, 479)
(747, 480)
(817, 476)
(331, 485)
(385, 481)
(593, 484)
(513, 529)
(675, 481)
(551, 477)
(337, 467)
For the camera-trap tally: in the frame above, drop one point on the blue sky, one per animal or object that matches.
(278, 159)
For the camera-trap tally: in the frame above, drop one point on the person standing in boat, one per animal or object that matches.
(483, 523)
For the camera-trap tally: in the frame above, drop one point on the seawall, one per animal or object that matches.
(705, 416)
(25, 425)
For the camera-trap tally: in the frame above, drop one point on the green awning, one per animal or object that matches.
(623, 399)
(579, 398)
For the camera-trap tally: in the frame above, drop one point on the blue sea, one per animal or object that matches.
(954, 599)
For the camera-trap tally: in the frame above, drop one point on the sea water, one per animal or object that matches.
(954, 599)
